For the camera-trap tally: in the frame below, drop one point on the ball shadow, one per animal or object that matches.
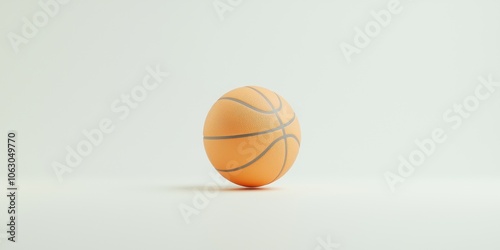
(247, 189)
(191, 188)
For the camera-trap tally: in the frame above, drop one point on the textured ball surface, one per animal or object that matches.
(251, 136)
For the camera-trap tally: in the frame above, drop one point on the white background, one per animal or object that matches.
(357, 118)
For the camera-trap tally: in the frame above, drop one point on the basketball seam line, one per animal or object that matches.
(286, 149)
(261, 154)
(273, 111)
(282, 127)
(251, 134)
(281, 124)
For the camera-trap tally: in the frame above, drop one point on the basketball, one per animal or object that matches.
(251, 136)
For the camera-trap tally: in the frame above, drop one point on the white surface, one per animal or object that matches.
(355, 214)
(357, 118)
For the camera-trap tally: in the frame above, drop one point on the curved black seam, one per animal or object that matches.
(251, 134)
(273, 111)
(283, 129)
(261, 154)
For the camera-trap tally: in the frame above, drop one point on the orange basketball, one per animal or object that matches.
(251, 136)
